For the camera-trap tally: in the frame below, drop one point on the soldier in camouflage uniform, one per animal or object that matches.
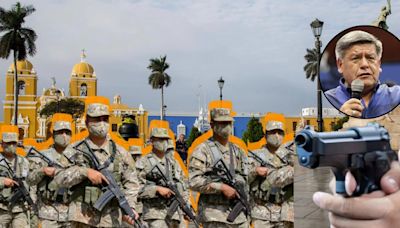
(52, 203)
(154, 195)
(85, 182)
(18, 215)
(217, 198)
(271, 185)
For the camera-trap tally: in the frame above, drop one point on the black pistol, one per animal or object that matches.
(364, 151)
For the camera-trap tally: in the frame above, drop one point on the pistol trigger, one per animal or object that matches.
(357, 161)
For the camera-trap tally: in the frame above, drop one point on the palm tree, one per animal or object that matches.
(159, 78)
(20, 40)
(311, 67)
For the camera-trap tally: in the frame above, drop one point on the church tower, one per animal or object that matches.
(83, 80)
(27, 99)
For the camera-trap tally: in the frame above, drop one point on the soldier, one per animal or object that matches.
(85, 181)
(218, 198)
(136, 152)
(155, 195)
(10, 163)
(271, 181)
(52, 203)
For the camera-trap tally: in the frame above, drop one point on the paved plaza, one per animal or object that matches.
(306, 182)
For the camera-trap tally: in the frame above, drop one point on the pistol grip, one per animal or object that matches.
(368, 177)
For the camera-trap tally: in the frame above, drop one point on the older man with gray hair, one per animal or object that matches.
(360, 93)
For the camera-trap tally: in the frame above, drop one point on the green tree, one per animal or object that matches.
(72, 106)
(254, 131)
(311, 66)
(20, 40)
(194, 134)
(159, 78)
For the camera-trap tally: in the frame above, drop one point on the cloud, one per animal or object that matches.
(257, 46)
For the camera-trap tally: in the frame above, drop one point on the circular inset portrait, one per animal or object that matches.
(359, 71)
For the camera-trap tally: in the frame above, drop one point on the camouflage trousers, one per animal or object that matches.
(159, 223)
(13, 220)
(54, 224)
(257, 223)
(224, 225)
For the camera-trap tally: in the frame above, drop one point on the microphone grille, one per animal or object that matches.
(357, 85)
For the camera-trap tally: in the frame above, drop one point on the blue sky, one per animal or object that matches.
(258, 47)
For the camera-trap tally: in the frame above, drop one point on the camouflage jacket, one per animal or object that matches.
(213, 206)
(154, 205)
(84, 194)
(52, 205)
(21, 170)
(272, 196)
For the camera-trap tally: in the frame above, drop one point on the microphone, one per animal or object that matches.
(357, 86)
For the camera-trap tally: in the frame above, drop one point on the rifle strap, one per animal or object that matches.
(261, 156)
(167, 169)
(15, 165)
(153, 161)
(217, 155)
(113, 149)
(231, 161)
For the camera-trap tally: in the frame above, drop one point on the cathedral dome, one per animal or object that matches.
(23, 66)
(83, 69)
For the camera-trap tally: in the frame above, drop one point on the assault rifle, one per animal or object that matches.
(20, 192)
(242, 203)
(33, 153)
(287, 190)
(111, 190)
(177, 199)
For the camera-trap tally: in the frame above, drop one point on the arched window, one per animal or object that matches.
(21, 87)
(83, 92)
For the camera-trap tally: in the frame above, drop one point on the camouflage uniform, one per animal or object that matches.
(52, 203)
(272, 196)
(136, 152)
(84, 194)
(17, 216)
(155, 206)
(213, 206)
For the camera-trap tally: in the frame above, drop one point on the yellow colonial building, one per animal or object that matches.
(82, 83)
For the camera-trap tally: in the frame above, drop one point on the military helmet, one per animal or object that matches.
(97, 106)
(62, 121)
(159, 133)
(220, 115)
(273, 125)
(9, 133)
(135, 150)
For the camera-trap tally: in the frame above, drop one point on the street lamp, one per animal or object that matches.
(220, 85)
(316, 27)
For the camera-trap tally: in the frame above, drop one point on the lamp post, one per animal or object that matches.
(316, 27)
(220, 85)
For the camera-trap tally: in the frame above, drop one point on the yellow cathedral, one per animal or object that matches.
(82, 83)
